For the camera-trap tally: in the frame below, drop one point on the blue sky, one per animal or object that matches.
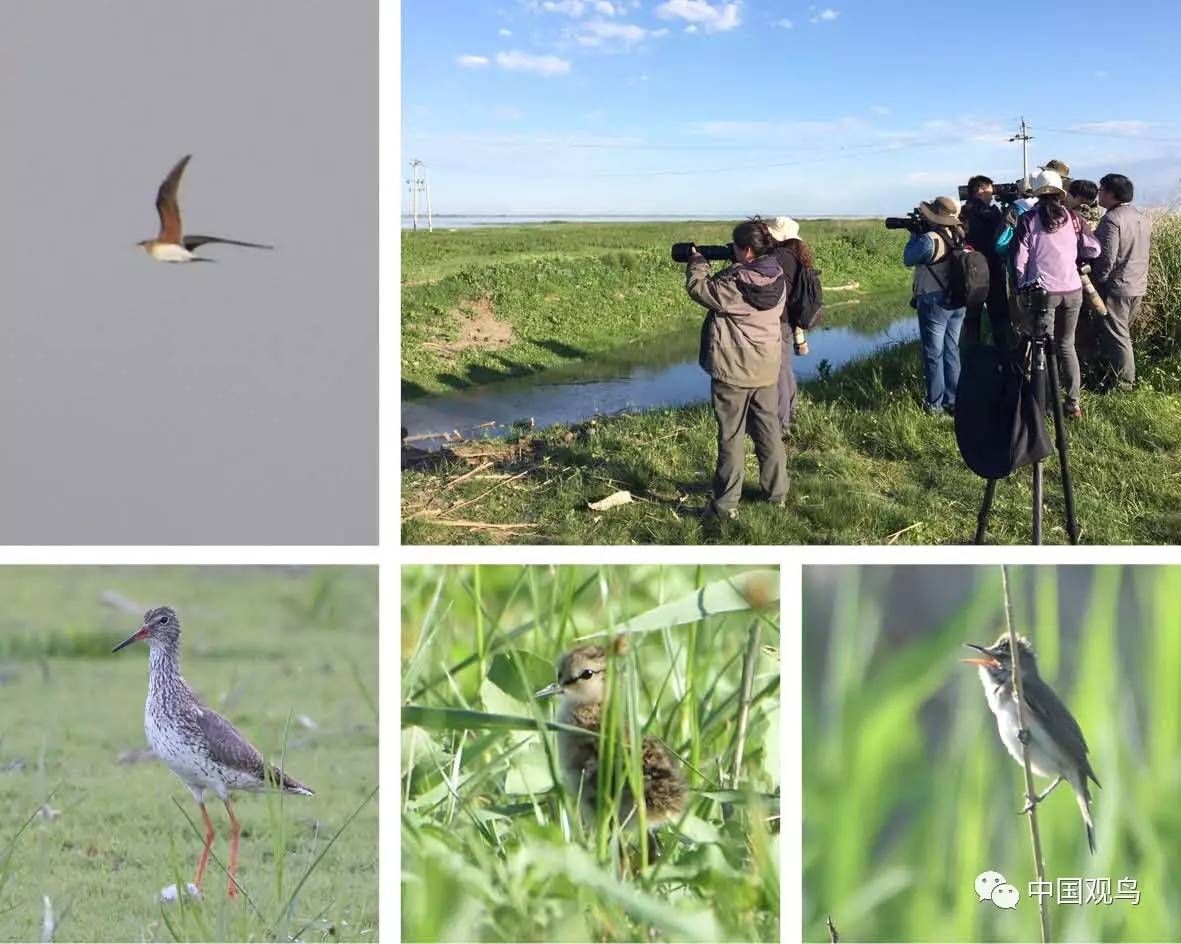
(705, 107)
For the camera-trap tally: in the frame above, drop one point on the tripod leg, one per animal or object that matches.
(1060, 441)
(985, 511)
(1037, 503)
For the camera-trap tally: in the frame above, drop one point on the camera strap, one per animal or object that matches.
(947, 258)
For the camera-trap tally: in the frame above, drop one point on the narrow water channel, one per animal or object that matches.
(661, 372)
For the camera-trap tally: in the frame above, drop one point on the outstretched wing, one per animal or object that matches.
(192, 242)
(167, 205)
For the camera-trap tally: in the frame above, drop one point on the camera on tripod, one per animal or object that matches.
(1004, 193)
(682, 251)
(1034, 319)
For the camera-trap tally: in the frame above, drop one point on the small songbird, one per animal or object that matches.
(194, 741)
(170, 245)
(1056, 744)
(580, 683)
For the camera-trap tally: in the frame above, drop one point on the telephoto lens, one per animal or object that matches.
(1090, 293)
(682, 251)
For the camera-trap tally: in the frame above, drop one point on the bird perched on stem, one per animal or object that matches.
(581, 673)
(1056, 745)
(195, 742)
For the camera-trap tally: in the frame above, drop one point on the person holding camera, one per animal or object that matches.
(1121, 272)
(982, 219)
(740, 350)
(1081, 198)
(1050, 239)
(929, 253)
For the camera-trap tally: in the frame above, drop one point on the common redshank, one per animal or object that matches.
(580, 683)
(170, 245)
(194, 741)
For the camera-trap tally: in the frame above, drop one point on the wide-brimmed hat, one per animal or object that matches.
(783, 228)
(1060, 167)
(1048, 181)
(942, 211)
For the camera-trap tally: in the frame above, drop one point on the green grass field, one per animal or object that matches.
(908, 791)
(868, 465)
(564, 291)
(493, 847)
(290, 656)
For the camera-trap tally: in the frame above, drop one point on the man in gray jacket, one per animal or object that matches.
(1121, 272)
(740, 350)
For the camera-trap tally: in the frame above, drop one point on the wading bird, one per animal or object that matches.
(170, 245)
(580, 683)
(194, 741)
(1056, 745)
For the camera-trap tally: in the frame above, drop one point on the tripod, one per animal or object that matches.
(1043, 367)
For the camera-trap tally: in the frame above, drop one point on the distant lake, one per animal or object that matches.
(461, 221)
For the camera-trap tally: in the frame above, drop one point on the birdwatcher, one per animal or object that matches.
(1049, 241)
(1082, 198)
(1120, 272)
(982, 218)
(929, 254)
(740, 350)
(796, 259)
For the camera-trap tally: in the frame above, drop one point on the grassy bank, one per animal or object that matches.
(493, 846)
(867, 464)
(289, 656)
(485, 304)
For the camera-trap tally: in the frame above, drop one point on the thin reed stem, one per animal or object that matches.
(1031, 796)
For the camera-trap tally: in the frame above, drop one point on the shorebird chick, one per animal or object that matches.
(194, 741)
(580, 683)
(170, 245)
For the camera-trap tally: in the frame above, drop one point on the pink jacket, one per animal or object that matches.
(1052, 258)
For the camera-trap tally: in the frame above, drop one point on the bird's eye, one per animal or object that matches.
(162, 620)
(586, 674)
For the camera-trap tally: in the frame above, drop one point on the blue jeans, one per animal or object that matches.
(939, 329)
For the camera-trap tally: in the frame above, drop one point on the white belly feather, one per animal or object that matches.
(170, 252)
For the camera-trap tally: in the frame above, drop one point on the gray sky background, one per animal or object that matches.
(227, 403)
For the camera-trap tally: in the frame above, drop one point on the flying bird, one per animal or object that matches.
(195, 742)
(170, 245)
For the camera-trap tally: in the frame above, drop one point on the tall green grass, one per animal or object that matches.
(909, 794)
(493, 847)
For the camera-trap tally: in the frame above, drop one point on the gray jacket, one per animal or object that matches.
(1124, 234)
(740, 339)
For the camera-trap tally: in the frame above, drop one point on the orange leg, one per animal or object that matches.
(235, 832)
(208, 842)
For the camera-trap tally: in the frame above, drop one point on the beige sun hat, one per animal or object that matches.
(942, 211)
(783, 228)
(1048, 181)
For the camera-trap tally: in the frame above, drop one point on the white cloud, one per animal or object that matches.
(657, 33)
(506, 113)
(690, 29)
(1129, 128)
(603, 32)
(472, 62)
(605, 8)
(827, 15)
(504, 32)
(783, 24)
(569, 7)
(1102, 74)
(880, 110)
(516, 61)
(711, 18)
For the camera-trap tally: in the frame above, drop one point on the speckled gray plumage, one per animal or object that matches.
(200, 746)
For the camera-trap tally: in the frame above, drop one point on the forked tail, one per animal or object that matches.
(1084, 804)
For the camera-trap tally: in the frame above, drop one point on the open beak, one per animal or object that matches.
(142, 633)
(551, 689)
(987, 660)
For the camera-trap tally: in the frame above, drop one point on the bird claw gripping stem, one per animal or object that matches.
(1023, 736)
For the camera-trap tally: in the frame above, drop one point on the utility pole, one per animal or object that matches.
(1024, 137)
(417, 183)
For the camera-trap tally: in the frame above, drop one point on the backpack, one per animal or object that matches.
(967, 269)
(805, 305)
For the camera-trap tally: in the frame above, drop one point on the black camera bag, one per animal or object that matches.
(998, 425)
(968, 275)
(806, 302)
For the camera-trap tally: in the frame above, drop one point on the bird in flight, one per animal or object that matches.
(170, 245)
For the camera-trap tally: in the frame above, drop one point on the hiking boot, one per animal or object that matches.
(1074, 413)
(711, 513)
